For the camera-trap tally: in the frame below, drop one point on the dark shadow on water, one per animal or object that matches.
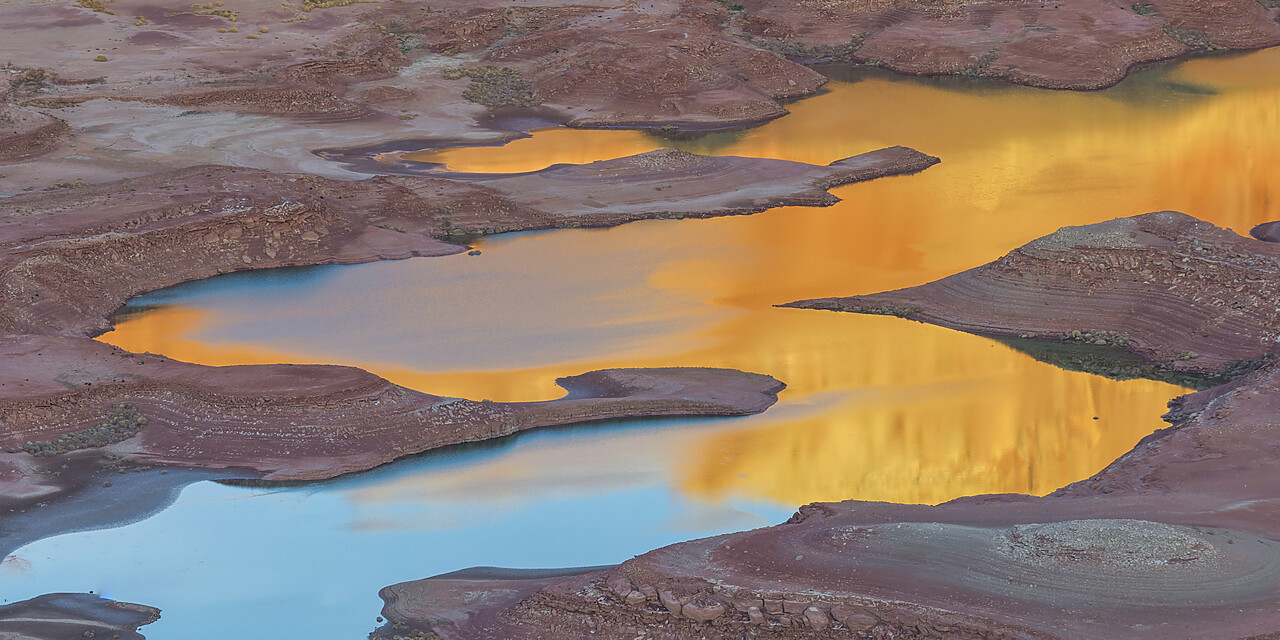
(471, 453)
(106, 500)
(280, 283)
(1116, 363)
(1150, 84)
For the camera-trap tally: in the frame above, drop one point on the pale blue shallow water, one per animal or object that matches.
(232, 562)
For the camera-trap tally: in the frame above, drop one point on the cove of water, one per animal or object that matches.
(876, 408)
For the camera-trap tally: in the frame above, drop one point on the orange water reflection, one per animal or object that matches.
(877, 408)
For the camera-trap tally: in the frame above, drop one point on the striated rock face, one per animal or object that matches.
(1177, 538)
(1182, 295)
(287, 422)
(74, 615)
(1074, 44)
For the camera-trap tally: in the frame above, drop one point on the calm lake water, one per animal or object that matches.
(876, 408)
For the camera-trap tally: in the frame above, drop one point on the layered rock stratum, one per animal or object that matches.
(74, 615)
(1181, 295)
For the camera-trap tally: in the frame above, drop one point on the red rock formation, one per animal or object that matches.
(1181, 294)
(304, 422)
(74, 615)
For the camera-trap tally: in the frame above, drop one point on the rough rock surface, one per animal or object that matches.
(295, 422)
(74, 615)
(1177, 538)
(1182, 295)
(152, 85)
(1072, 44)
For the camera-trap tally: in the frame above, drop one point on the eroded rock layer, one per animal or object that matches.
(291, 422)
(74, 615)
(1182, 295)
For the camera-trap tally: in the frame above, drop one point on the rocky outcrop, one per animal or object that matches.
(1266, 232)
(687, 64)
(1076, 44)
(287, 422)
(1183, 296)
(74, 615)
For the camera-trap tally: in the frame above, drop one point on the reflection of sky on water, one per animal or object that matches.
(588, 296)
(228, 562)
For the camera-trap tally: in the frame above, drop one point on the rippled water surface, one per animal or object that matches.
(876, 408)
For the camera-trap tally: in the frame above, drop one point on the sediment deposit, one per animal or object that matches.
(1177, 538)
(290, 422)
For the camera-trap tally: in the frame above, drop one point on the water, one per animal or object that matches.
(227, 562)
(876, 408)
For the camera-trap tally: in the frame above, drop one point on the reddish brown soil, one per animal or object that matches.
(1181, 294)
(74, 615)
(1176, 539)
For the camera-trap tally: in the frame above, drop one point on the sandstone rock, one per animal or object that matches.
(817, 618)
(704, 611)
(857, 619)
(793, 607)
(620, 586)
(669, 601)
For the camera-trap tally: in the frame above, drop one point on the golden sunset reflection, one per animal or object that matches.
(876, 408)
